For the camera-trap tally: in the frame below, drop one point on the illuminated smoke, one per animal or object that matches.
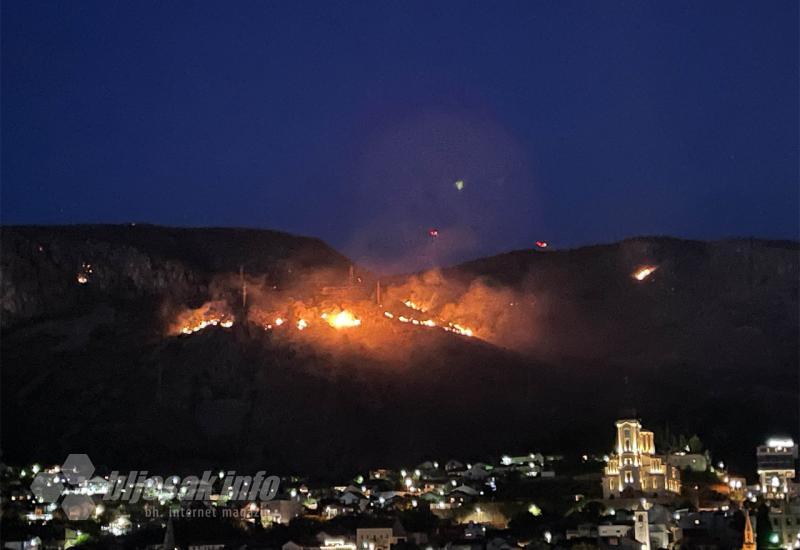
(428, 303)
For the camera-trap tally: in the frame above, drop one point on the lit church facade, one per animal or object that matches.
(635, 469)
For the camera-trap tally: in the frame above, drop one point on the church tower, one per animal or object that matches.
(641, 527)
(635, 468)
(749, 540)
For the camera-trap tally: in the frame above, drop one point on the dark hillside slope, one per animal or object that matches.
(718, 302)
(40, 263)
(707, 344)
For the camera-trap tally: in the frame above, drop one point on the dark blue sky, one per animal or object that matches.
(575, 122)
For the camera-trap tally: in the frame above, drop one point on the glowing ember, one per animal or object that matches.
(644, 272)
(83, 275)
(301, 324)
(458, 329)
(433, 233)
(449, 327)
(206, 323)
(211, 314)
(541, 244)
(278, 322)
(343, 319)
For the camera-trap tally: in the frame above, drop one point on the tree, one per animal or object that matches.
(419, 519)
(764, 532)
(695, 445)
(524, 524)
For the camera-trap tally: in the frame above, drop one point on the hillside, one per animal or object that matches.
(40, 263)
(95, 356)
(718, 302)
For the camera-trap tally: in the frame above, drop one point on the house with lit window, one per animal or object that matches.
(380, 537)
(279, 511)
(635, 469)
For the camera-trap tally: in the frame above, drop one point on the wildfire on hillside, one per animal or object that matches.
(306, 310)
(84, 273)
(298, 316)
(412, 305)
(445, 325)
(302, 317)
(210, 314)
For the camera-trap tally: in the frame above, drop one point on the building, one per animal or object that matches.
(529, 465)
(696, 462)
(641, 527)
(279, 511)
(776, 467)
(322, 541)
(378, 538)
(710, 528)
(784, 518)
(635, 469)
(737, 488)
(648, 526)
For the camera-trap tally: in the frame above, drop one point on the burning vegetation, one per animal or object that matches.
(84, 273)
(210, 314)
(365, 313)
(342, 319)
(319, 312)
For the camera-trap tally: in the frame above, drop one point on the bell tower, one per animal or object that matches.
(748, 542)
(641, 527)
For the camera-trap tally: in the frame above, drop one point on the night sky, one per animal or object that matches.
(573, 122)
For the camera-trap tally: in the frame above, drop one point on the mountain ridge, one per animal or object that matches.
(564, 340)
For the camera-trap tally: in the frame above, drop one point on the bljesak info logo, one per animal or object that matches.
(73, 480)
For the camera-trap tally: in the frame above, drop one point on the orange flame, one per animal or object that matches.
(343, 319)
(644, 272)
(211, 314)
